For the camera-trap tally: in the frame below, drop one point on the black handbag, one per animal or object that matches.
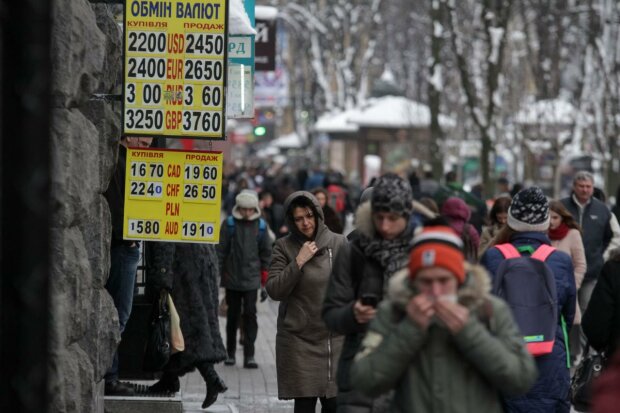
(157, 349)
(581, 384)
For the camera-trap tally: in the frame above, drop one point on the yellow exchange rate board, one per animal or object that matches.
(173, 195)
(175, 68)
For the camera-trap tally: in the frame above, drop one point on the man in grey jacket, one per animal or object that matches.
(244, 255)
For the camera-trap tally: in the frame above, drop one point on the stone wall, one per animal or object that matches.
(86, 53)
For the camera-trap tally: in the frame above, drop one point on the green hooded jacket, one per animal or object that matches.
(435, 371)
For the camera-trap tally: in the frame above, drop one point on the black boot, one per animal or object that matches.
(169, 383)
(215, 385)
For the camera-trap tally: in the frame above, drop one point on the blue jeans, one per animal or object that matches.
(120, 285)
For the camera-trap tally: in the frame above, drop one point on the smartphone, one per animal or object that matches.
(370, 299)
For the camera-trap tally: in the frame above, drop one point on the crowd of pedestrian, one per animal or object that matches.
(432, 303)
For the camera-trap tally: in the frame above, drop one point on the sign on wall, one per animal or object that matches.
(240, 82)
(265, 42)
(172, 195)
(175, 68)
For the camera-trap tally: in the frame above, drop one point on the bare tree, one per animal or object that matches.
(479, 64)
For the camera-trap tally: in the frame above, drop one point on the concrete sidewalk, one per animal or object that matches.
(249, 390)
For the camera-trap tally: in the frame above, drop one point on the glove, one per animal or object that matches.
(263, 295)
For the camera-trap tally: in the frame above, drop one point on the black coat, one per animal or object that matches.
(115, 195)
(601, 321)
(190, 273)
(353, 275)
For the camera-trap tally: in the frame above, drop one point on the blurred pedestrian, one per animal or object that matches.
(565, 235)
(601, 321)
(439, 339)
(360, 275)
(457, 213)
(498, 217)
(306, 352)
(332, 219)
(124, 258)
(244, 254)
(595, 220)
(189, 272)
(527, 224)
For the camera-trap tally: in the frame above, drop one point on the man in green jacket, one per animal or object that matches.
(439, 339)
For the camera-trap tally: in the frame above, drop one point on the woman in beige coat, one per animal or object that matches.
(565, 235)
(306, 352)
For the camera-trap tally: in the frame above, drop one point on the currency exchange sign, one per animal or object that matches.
(175, 68)
(173, 195)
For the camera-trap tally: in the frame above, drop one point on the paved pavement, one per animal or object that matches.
(249, 390)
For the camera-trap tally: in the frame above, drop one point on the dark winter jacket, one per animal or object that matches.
(332, 220)
(601, 321)
(115, 195)
(550, 391)
(596, 231)
(243, 252)
(435, 371)
(353, 275)
(306, 351)
(190, 273)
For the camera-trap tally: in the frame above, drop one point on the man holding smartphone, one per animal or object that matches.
(359, 275)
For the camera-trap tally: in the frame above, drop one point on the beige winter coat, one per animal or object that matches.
(573, 246)
(306, 352)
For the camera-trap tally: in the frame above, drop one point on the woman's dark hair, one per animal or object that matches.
(301, 202)
(567, 217)
(319, 189)
(501, 204)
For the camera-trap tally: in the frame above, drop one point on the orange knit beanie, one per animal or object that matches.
(437, 246)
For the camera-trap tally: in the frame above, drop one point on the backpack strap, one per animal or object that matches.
(543, 252)
(508, 250)
(230, 223)
(262, 228)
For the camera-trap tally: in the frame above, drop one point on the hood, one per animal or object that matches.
(363, 220)
(471, 294)
(316, 209)
(456, 209)
(363, 217)
(246, 199)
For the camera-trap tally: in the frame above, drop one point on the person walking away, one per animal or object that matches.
(565, 235)
(439, 339)
(244, 254)
(272, 212)
(306, 351)
(360, 275)
(594, 218)
(332, 219)
(124, 258)
(528, 221)
(498, 217)
(189, 273)
(456, 211)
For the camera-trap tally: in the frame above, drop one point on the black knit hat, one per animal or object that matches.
(391, 193)
(529, 211)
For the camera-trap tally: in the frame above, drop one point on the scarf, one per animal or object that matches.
(393, 255)
(558, 233)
